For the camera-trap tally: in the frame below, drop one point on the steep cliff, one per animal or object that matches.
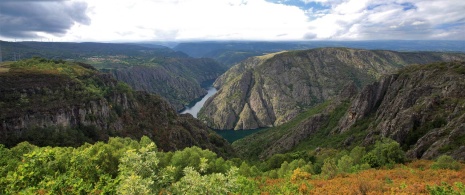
(269, 90)
(61, 103)
(420, 106)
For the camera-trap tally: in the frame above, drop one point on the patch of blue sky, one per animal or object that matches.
(302, 5)
(408, 6)
(373, 6)
(405, 6)
(450, 25)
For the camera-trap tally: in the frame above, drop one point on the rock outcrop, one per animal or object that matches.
(269, 90)
(421, 107)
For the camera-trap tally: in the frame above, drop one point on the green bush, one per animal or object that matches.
(385, 153)
(446, 162)
(446, 189)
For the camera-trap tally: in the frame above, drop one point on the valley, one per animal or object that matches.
(278, 121)
(232, 97)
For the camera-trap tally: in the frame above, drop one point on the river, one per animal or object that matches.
(194, 110)
(230, 135)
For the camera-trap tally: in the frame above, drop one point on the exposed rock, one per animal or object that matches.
(421, 107)
(272, 89)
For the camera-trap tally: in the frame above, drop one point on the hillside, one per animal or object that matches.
(155, 69)
(269, 90)
(57, 103)
(60, 103)
(420, 107)
(178, 80)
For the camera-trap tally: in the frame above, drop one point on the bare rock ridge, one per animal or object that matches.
(270, 90)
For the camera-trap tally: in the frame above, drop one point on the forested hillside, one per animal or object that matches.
(58, 103)
(125, 166)
(155, 69)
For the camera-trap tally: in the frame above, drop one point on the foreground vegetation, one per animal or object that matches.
(125, 166)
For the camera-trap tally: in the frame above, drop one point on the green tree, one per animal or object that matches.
(216, 183)
(357, 154)
(138, 170)
(385, 152)
(345, 164)
(329, 169)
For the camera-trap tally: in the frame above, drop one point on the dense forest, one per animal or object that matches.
(126, 166)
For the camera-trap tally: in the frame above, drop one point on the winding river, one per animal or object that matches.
(194, 110)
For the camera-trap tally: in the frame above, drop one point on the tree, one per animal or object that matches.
(329, 169)
(386, 152)
(216, 183)
(345, 164)
(138, 170)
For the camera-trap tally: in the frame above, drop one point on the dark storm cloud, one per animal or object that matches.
(23, 18)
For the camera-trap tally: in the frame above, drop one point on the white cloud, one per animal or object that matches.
(187, 19)
(123, 20)
(391, 19)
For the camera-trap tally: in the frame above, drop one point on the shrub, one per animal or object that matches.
(446, 162)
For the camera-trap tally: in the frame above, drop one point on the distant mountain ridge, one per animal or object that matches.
(272, 89)
(232, 52)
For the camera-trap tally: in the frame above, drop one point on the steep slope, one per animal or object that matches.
(178, 80)
(420, 106)
(61, 103)
(155, 69)
(269, 90)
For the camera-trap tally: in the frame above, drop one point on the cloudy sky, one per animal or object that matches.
(179, 20)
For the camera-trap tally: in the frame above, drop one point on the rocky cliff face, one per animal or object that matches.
(178, 80)
(50, 108)
(269, 90)
(421, 107)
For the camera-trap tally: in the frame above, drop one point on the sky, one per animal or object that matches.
(270, 20)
